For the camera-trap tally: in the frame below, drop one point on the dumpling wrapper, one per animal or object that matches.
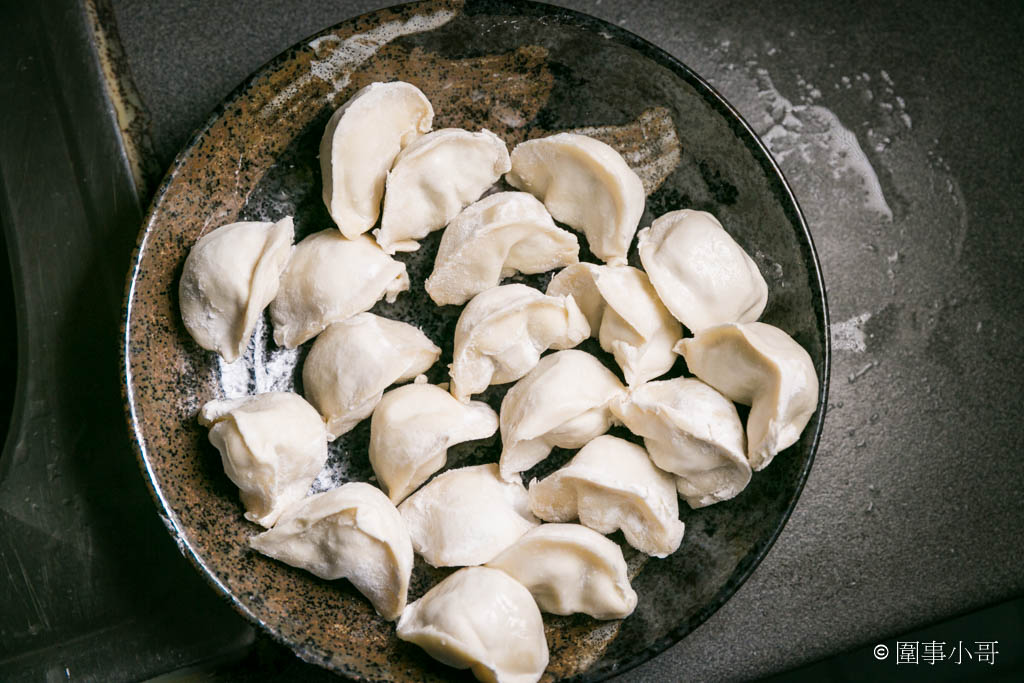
(352, 532)
(412, 429)
(701, 274)
(611, 484)
(761, 366)
(466, 516)
(483, 620)
(330, 278)
(272, 445)
(353, 361)
(500, 235)
(433, 179)
(502, 332)
(360, 144)
(626, 316)
(585, 184)
(230, 276)
(571, 569)
(693, 432)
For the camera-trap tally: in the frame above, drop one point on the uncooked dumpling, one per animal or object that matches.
(502, 332)
(691, 431)
(230, 276)
(569, 568)
(761, 366)
(483, 620)
(701, 274)
(413, 427)
(352, 532)
(625, 315)
(328, 279)
(612, 484)
(494, 238)
(585, 184)
(360, 144)
(433, 179)
(272, 446)
(466, 516)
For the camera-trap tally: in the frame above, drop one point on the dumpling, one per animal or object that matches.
(230, 276)
(360, 144)
(691, 431)
(483, 620)
(585, 184)
(494, 238)
(612, 484)
(328, 279)
(272, 446)
(433, 179)
(701, 274)
(352, 532)
(563, 402)
(351, 364)
(761, 366)
(502, 332)
(413, 427)
(466, 516)
(569, 568)
(625, 315)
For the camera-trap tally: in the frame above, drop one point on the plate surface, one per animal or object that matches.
(521, 70)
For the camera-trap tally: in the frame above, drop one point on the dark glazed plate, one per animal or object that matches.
(521, 70)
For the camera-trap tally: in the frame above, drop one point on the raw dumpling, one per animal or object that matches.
(569, 568)
(562, 402)
(585, 184)
(760, 366)
(360, 144)
(502, 332)
(413, 427)
(701, 274)
(496, 237)
(230, 276)
(433, 179)
(466, 516)
(352, 532)
(272, 445)
(691, 431)
(483, 620)
(612, 484)
(354, 361)
(625, 315)
(328, 279)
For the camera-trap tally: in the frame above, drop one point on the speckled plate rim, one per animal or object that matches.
(743, 131)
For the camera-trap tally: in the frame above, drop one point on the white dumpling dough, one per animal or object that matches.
(433, 179)
(612, 484)
(500, 235)
(413, 427)
(761, 366)
(502, 332)
(585, 184)
(483, 620)
(353, 361)
(626, 316)
(230, 276)
(352, 532)
(272, 446)
(563, 402)
(466, 516)
(699, 271)
(571, 569)
(360, 144)
(691, 431)
(328, 279)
